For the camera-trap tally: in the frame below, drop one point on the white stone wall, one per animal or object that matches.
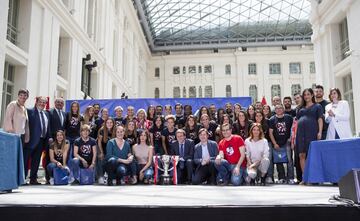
(239, 79)
(331, 69)
(116, 32)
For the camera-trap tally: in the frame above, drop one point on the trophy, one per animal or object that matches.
(165, 160)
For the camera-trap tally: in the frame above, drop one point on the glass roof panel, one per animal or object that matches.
(174, 23)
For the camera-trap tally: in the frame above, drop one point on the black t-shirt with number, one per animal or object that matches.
(156, 131)
(179, 121)
(103, 141)
(193, 133)
(58, 154)
(85, 148)
(131, 139)
(72, 126)
(119, 121)
(170, 137)
(281, 128)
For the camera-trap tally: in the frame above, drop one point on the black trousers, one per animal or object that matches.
(205, 173)
(184, 171)
(35, 155)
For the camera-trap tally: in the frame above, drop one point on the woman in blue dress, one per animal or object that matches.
(310, 125)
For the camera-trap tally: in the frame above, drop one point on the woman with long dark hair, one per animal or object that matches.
(130, 133)
(73, 123)
(106, 132)
(242, 125)
(150, 115)
(260, 119)
(251, 112)
(143, 153)
(155, 134)
(191, 128)
(309, 125)
(203, 110)
(266, 111)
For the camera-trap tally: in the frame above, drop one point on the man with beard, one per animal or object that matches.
(319, 94)
(287, 104)
(96, 111)
(229, 110)
(212, 109)
(179, 118)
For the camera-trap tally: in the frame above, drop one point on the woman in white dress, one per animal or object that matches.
(337, 115)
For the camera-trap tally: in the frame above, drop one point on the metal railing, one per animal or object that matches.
(12, 34)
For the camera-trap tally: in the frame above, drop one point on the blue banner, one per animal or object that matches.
(196, 103)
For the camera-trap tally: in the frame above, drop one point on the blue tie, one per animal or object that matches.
(43, 128)
(182, 150)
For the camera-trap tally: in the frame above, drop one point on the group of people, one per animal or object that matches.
(231, 145)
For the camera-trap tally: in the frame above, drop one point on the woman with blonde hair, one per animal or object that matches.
(141, 120)
(89, 119)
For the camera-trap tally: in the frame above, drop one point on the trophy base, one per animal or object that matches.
(166, 180)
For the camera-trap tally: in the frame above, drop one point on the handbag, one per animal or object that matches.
(87, 176)
(61, 176)
(279, 155)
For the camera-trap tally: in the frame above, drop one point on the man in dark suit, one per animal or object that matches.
(57, 117)
(204, 159)
(184, 148)
(39, 126)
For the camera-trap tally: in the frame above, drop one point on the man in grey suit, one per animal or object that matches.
(204, 159)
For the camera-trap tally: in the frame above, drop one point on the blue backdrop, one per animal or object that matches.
(196, 103)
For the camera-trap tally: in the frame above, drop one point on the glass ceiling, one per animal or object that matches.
(204, 24)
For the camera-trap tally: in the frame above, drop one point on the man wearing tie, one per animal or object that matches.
(39, 126)
(57, 117)
(184, 148)
(204, 159)
(57, 122)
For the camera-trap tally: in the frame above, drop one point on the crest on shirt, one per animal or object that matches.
(230, 150)
(74, 121)
(157, 135)
(281, 127)
(85, 149)
(171, 138)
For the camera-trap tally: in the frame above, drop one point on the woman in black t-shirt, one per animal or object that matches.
(192, 128)
(119, 119)
(209, 125)
(106, 132)
(260, 118)
(242, 125)
(155, 135)
(58, 152)
(73, 123)
(84, 152)
(130, 133)
(168, 135)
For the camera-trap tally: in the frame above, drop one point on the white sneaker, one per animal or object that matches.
(291, 182)
(101, 180)
(51, 181)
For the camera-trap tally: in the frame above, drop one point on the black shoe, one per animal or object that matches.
(252, 182)
(75, 182)
(34, 182)
(263, 182)
(110, 182)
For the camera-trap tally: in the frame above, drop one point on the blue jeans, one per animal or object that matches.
(115, 169)
(74, 166)
(225, 172)
(50, 169)
(148, 173)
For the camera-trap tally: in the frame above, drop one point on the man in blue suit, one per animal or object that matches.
(204, 159)
(184, 148)
(39, 126)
